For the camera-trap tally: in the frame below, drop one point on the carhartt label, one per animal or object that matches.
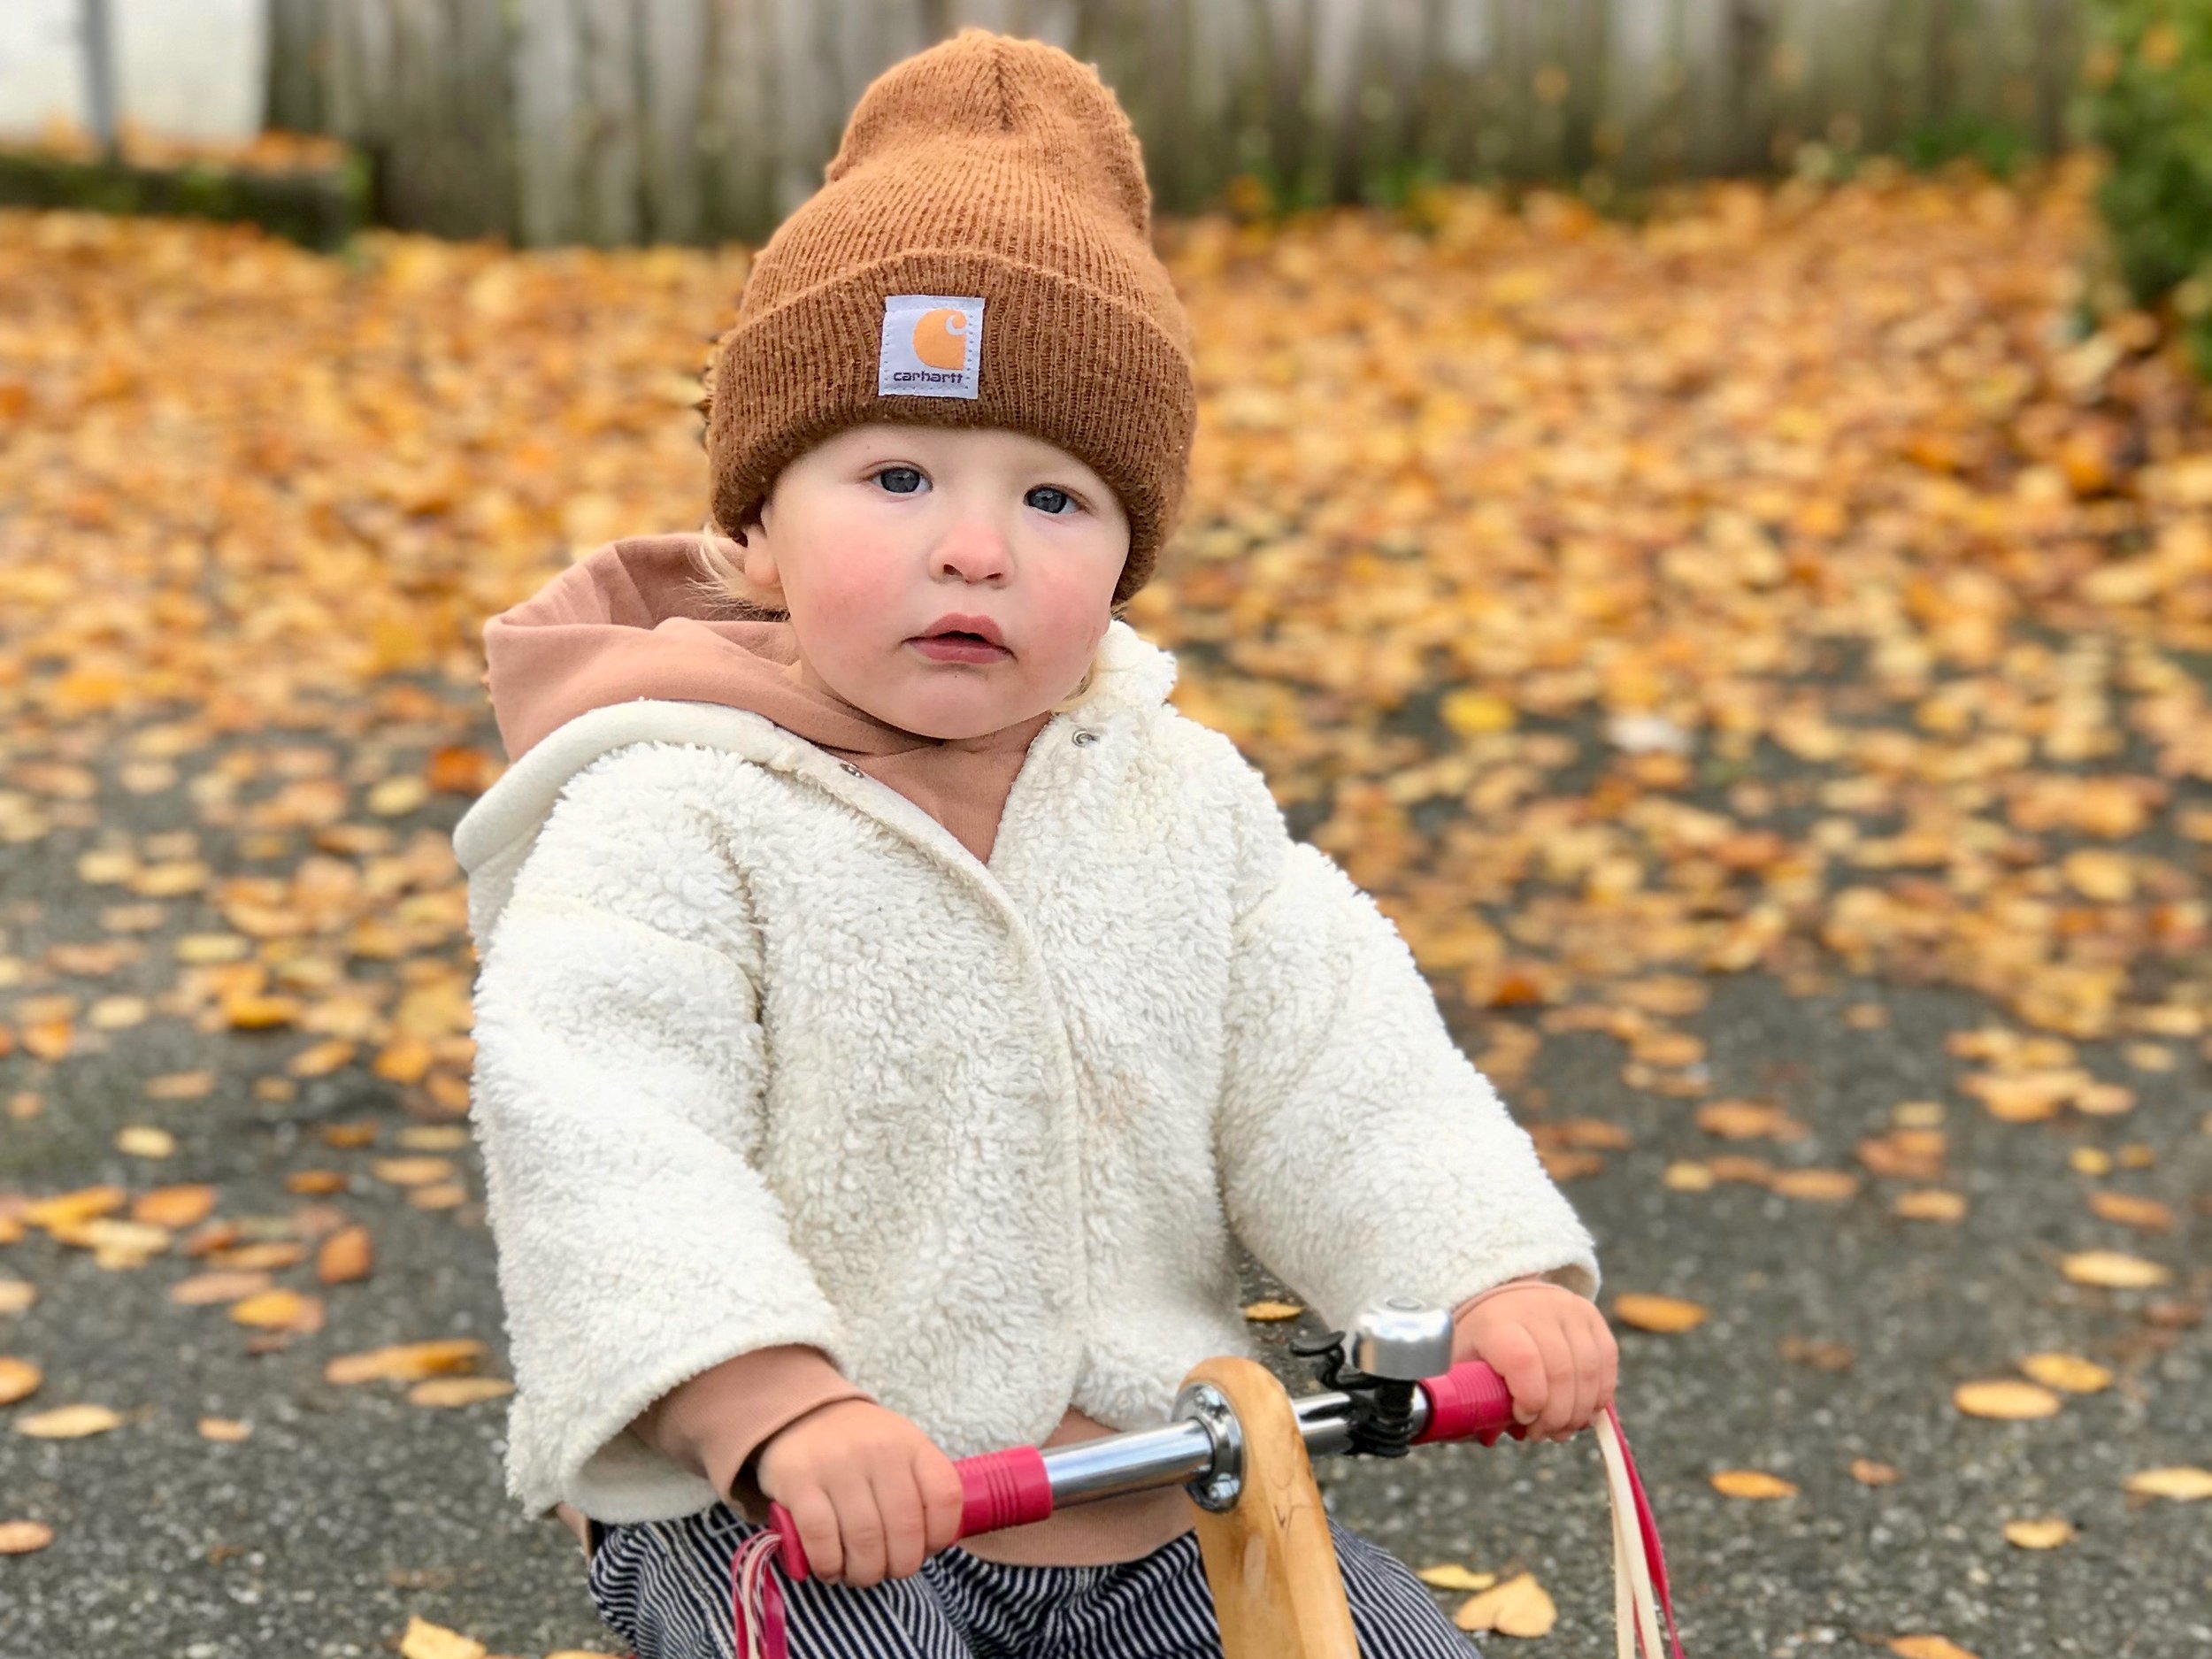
(932, 346)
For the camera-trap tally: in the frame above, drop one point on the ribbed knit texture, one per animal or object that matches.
(989, 167)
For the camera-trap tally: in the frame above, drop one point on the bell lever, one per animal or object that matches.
(1394, 1344)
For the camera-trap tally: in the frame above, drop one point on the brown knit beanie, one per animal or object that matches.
(980, 255)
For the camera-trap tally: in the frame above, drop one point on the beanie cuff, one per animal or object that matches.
(1062, 359)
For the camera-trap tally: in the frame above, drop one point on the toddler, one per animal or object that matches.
(892, 1012)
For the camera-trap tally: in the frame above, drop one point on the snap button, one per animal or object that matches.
(849, 767)
(1086, 736)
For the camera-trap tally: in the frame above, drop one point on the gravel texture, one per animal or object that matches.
(349, 1510)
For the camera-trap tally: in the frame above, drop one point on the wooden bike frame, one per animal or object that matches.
(1269, 1560)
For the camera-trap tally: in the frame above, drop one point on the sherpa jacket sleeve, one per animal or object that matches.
(1361, 1154)
(617, 1090)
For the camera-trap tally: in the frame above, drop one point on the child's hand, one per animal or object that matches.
(870, 1493)
(1554, 1350)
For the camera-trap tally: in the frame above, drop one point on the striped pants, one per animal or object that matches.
(665, 1587)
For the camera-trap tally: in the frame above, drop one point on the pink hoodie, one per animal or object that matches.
(625, 624)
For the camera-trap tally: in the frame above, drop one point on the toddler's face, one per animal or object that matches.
(877, 534)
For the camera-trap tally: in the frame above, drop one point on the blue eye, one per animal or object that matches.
(900, 480)
(1058, 498)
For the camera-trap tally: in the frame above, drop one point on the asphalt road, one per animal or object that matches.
(348, 1509)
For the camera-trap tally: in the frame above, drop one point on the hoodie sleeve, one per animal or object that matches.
(617, 1096)
(1361, 1154)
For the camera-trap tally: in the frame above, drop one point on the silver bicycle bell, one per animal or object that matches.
(1402, 1340)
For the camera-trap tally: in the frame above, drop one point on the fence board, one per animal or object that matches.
(692, 120)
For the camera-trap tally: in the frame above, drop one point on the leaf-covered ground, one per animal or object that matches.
(1760, 659)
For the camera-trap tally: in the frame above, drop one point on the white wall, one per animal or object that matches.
(184, 69)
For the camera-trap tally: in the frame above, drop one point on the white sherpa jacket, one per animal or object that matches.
(765, 1055)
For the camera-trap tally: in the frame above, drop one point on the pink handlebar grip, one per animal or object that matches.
(1469, 1402)
(997, 1489)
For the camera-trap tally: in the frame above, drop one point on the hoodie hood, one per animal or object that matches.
(624, 625)
(610, 651)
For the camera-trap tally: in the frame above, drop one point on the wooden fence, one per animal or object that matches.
(617, 121)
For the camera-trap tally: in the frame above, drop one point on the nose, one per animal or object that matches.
(973, 548)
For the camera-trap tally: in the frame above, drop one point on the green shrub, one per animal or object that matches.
(2147, 102)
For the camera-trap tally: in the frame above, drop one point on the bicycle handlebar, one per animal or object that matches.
(1026, 1482)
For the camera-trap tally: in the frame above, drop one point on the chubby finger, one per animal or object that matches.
(816, 1521)
(1511, 1352)
(899, 1500)
(860, 1530)
(1559, 1381)
(1586, 1380)
(1566, 1389)
(943, 1501)
(1609, 1352)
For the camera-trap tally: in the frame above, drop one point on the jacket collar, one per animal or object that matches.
(1134, 678)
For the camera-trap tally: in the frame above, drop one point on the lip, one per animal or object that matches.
(959, 650)
(959, 622)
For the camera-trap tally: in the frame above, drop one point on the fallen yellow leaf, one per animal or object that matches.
(1450, 1575)
(1473, 712)
(174, 1207)
(2113, 1269)
(1930, 1204)
(434, 1137)
(180, 1085)
(279, 1311)
(1745, 1120)
(21, 1538)
(2067, 1371)
(1820, 1185)
(1658, 1313)
(228, 1430)
(2131, 1210)
(320, 1059)
(143, 1141)
(457, 1390)
(2105, 1100)
(1519, 1607)
(1927, 1647)
(2004, 1397)
(269, 1254)
(67, 1422)
(118, 1013)
(2047, 1534)
(422, 1639)
(1752, 1483)
(68, 1209)
(116, 1245)
(413, 1172)
(407, 1362)
(397, 795)
(260, 1013)
(1268, 1311)
(2027, 1097)
(2181, 1483)
(18, 1379)
(1867, 1472)
(345, 1257)
(2098, 873)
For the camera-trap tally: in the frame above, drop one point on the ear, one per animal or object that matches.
(757, 557)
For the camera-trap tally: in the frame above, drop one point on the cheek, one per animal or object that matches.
(1071, 609)
(851, 588)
